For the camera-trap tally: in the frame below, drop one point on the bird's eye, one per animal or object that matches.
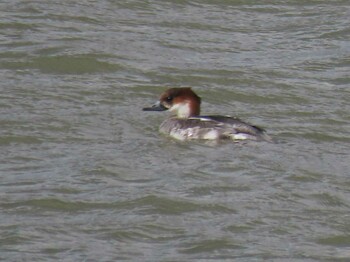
(169, 98)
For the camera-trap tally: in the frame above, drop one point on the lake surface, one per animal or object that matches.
(85, 175)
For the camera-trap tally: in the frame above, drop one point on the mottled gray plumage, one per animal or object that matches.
(211, 127)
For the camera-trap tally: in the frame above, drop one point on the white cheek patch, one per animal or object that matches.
(182, 110)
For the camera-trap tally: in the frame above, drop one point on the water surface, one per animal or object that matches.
(85, 175)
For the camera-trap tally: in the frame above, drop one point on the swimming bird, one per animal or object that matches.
(187, 123)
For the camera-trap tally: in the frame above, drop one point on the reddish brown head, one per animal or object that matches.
(182, 101)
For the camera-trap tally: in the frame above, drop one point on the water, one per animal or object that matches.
(85, 175)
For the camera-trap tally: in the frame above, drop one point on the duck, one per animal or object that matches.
(186, 122)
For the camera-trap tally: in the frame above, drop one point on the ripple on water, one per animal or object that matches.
(82, 64)
(211, 248)
(85, 175)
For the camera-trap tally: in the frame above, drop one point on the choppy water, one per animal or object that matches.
(85, 176)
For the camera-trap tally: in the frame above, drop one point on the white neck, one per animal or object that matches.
(182, 110)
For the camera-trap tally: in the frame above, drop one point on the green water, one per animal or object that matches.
(85, 175)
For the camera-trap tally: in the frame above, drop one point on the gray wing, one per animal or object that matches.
(237, 125)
